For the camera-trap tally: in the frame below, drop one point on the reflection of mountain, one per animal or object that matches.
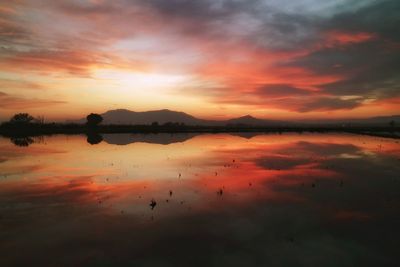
(162, 138)
(247, 135)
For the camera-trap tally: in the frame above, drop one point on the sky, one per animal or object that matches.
(214, 59)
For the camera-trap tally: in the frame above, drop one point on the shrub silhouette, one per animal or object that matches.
(22, 118)
(94, 119)
(22, 141)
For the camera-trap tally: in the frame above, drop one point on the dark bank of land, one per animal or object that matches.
(36, 129)
(23, 124)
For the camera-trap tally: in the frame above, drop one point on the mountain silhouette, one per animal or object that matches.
(124, 116)
(250, 120)
(128, 117)
(372, 121)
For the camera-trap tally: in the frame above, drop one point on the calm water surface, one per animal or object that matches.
(206, 200)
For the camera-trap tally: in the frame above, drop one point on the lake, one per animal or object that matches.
(200, 200)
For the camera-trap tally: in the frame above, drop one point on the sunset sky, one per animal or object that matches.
(214, 59)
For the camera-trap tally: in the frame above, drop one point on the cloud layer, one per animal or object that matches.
(295, 57)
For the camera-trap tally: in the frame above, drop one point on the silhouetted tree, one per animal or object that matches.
(39, 119)
(94, 119)
(174, 124)
(94, 138)
(155, 124)
(22, 118)
(22, 141)
(392, 123)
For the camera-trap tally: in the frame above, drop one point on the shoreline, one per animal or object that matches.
(71, 129)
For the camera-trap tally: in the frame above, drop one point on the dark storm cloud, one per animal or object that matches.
(281, 31)
(284, 25)
(381, 17)
(371, 68)
(328, 103)
(280, 90)
(262, 23)
(297, 103)
(358, 43)
(204, 9)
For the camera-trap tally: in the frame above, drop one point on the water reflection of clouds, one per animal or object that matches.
(285, 200)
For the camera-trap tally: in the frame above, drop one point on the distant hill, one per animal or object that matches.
(374, 121)
(378, 120)
(128, 117)
(250, 120)
(124, 116)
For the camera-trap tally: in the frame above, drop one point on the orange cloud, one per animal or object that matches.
(333, 38)
(232, 52)
(18, 103)
(11, 84)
